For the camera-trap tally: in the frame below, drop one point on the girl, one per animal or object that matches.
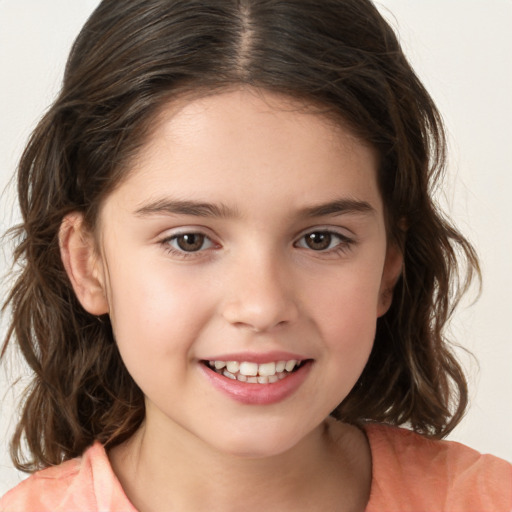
(234, 281)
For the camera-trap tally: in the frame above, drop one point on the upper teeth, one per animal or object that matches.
(250, 369)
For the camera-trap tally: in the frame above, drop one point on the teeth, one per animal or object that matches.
(280, 366)
(267, 369)
(290, 365)
(249, 369)
(245, 371)
(229, 375)
(233, 366)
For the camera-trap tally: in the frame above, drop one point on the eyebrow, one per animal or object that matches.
(204, 209)
(339, 207)
(175, 207)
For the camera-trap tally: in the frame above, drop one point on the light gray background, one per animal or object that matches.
(462, 49)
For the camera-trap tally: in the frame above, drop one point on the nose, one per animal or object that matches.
(260, 294)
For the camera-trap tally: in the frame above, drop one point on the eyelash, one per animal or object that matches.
(343, 245)
(181, 253)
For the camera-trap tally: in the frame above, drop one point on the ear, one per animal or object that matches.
(390, 275)
(83, 264)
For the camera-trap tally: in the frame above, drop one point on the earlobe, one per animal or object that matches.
(82, 263)
(390, 275)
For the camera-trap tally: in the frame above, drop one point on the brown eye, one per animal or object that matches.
(318, 241)
(325, 242)
(190, 242)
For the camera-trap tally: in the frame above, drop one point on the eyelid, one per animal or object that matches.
(204, 239)
(345, 241)
(340, 231)
(172, 234)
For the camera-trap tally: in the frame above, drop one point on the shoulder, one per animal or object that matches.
(411, 472)
(86, 483)
(43, 490)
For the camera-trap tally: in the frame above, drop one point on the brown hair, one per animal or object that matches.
(130, 58)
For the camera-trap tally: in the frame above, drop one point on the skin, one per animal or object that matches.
(254, 286)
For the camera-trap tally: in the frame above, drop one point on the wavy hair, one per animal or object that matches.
(134, 56)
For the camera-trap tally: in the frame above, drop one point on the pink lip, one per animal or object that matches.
(267, 357)
(257, 394)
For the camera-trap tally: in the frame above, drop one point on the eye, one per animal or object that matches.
(189, 242)
(323, 241)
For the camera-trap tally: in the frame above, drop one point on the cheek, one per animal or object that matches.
(348, 294)
(156, 310)
(346, 313)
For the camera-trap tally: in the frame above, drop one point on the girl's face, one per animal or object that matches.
(249, 236)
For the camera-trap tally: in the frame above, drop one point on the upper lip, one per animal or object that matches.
(259, 358)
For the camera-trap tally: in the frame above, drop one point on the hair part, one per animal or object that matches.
(135, 56)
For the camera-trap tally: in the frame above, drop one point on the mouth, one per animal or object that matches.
(253, 379)
(254, 373)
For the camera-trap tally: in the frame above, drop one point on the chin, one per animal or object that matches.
(258, 442)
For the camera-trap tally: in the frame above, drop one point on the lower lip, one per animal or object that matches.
(258, 394)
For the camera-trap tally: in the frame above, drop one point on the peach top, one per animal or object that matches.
(410, 473)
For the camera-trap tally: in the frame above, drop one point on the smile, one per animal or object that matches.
(257, 379)
(254, 373)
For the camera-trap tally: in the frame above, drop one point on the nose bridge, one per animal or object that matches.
(260, 292)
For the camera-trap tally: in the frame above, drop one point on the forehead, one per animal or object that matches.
(246, 145)
(255, 109)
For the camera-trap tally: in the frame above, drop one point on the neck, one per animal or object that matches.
(329, 469)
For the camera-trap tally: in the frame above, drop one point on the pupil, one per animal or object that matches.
(190, 243)
(318, 241)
